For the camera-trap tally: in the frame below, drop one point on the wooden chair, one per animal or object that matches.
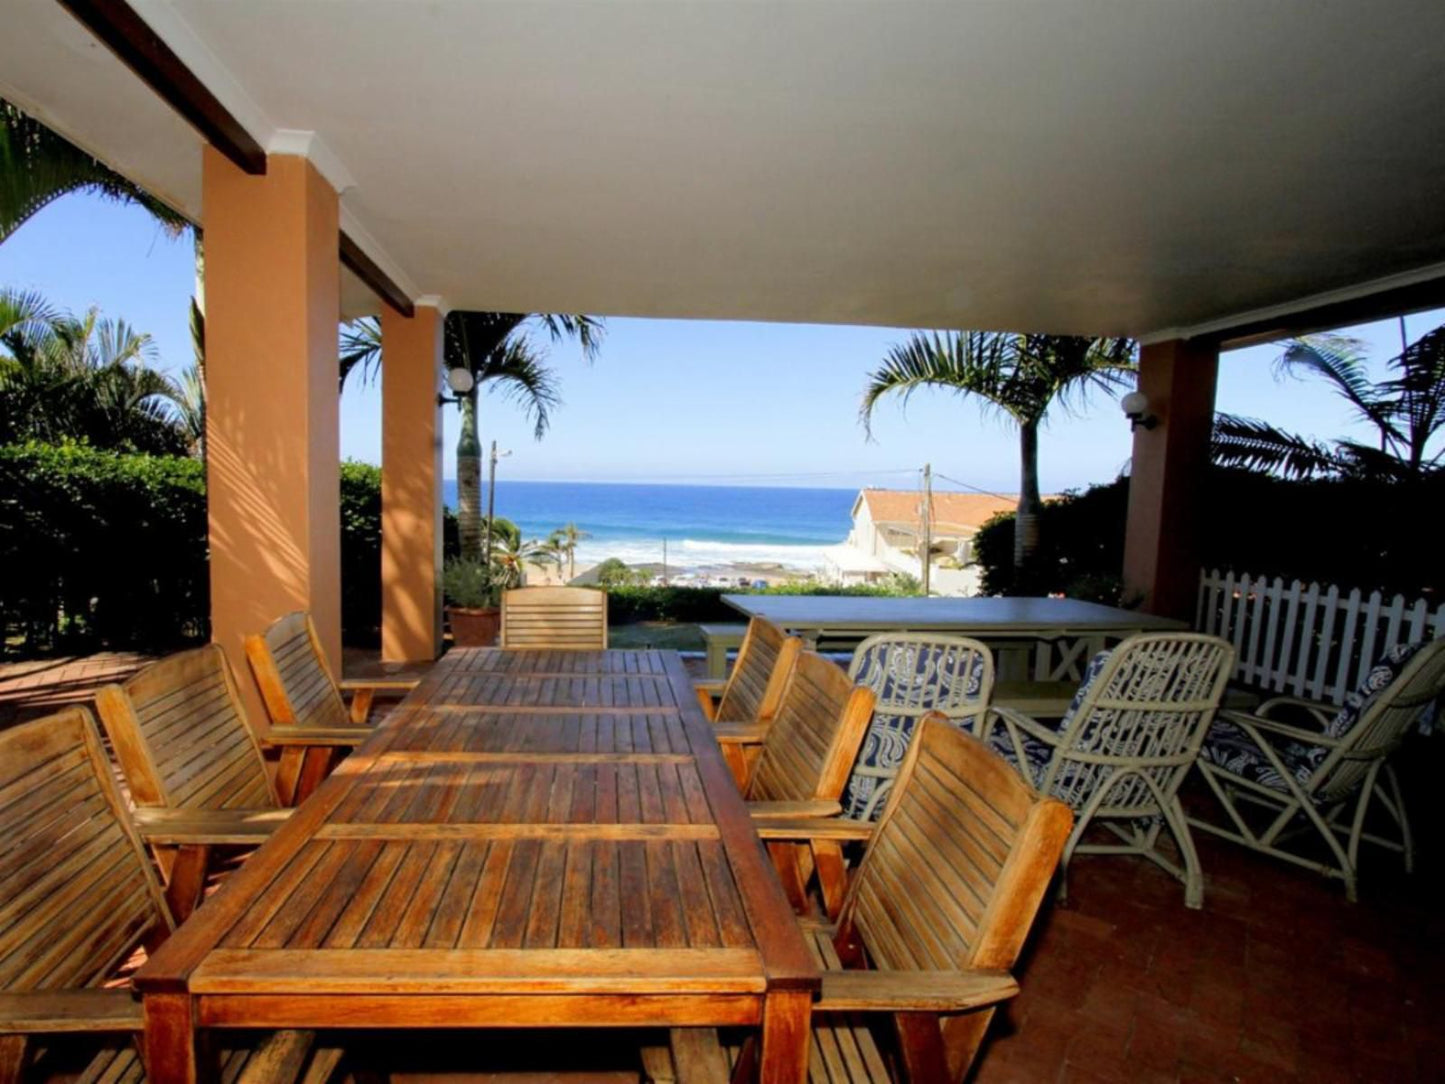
(194, 765)
(912, 674)
(934, 918)
(299, 690)
(753, 690)
(78, 897)
(1121, 752)
(1309, 778)
(568, 618)
(802, 761)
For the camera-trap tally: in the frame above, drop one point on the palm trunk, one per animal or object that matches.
(469, 481)
(1026, 521)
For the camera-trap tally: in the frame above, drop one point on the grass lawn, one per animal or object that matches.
(656, 634)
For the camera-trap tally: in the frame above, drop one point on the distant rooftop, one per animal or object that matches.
(958, 511)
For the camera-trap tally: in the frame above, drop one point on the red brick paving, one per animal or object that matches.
(1278, 978)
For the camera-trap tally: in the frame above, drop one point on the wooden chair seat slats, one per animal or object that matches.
(814, 737)
(291, 672)
(756, 683)
(563, 618)
(182, 738)
(950, 883)
(78, 896)
(76, 892)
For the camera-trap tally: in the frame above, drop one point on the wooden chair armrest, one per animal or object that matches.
(40, 1012)
(320, 736)
(1254, 725)
(773, 811)
(913, 991)
(180, 827)
(709, 696)
(740, 733)
(798, 829)
(1321, 712)
(394, 686)
(711, 686)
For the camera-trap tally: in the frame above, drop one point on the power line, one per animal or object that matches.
(976, 489)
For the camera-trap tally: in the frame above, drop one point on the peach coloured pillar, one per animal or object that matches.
(272, 432)
(411, 485)
(1170, 466)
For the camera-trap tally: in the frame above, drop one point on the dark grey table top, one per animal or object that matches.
(1016, 616)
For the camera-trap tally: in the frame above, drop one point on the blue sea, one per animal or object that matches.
(705, 526)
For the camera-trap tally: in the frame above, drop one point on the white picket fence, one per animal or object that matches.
(1309, 640)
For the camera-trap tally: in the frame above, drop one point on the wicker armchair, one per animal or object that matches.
(1314, 776)
(1126, 744)
(911, 675)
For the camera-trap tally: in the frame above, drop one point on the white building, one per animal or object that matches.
(887, 538)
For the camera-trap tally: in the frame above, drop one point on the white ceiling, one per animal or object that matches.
(1099, 166)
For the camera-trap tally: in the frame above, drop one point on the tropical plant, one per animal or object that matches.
(614, 572)
(1019, 376)
(1407, 412)
(37, 166)
(503, 354)
(511, 556)
(469, 583)
(82, 378)
(565, 539)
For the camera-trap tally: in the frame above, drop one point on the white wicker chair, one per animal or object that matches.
(1126, 744)
(911, 675)
(1304, 778)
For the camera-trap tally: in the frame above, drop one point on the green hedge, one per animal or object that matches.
(100, 548)
(1350, 533)
(626, 605)
(107, 549)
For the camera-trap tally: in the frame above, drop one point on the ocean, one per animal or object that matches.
(705, 526)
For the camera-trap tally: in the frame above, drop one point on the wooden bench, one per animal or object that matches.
(720, 639)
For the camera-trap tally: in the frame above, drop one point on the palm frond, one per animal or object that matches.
(1417, 395)
(587, 330)
(361, 349)
(519, 373)
(1257, 445)
(969, 363)
(1340, 362)
(37, 166)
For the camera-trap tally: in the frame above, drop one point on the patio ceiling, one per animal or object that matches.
(1092, 166)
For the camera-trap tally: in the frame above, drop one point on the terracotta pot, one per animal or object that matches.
(474, 627)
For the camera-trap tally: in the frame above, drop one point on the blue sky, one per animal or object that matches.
(680, 401)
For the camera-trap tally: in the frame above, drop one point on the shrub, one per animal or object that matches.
(101, 547)
(468, 583)
(627, 604)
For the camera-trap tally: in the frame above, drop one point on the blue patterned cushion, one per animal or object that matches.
(1230, 747)
(886, 743)
(1038, 753)
(1091, 674)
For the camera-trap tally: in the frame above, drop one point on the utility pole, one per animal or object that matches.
(491, 504)
(926, 556)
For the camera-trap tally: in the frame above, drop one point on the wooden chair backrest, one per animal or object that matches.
(814, 737)
(956, 869)
(181, 735)
(1384, 722)
(567, 618)
(755, 687)
(77, 893)
(1145, 711)
(296, 685)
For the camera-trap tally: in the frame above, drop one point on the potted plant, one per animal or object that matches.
(471, 593)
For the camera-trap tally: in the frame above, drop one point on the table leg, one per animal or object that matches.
(787, 1017)
(171, 1054)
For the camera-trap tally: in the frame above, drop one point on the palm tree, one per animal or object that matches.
(565, 539)
(37, 167)
(1020, 376)
(503, 355)
(1407, 412)
(83, 378)
(511, 556)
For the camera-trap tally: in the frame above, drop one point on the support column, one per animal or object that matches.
(411, 485)
(1170, 467)
(273, 286)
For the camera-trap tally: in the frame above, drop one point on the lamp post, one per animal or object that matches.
(491, 502)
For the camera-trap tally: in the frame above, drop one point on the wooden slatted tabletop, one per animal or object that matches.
(532, 838)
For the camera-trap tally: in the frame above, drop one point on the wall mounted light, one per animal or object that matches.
(1136, 408)
(460, 381)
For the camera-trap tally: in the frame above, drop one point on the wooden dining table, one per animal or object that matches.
(531, 839)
